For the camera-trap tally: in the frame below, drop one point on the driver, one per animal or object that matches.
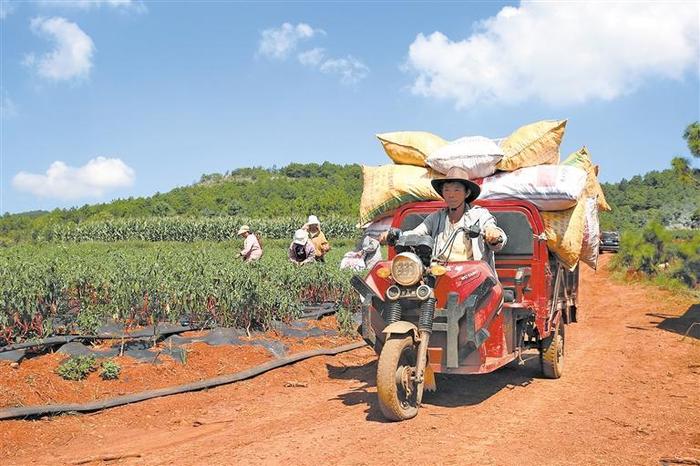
(458, 192)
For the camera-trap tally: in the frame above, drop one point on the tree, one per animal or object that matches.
(234, 208)
(692, 136)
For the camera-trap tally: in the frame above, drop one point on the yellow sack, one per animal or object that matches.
(582, 159)
(410, 147)
(389, 186)
(564, 230)
(533, 144)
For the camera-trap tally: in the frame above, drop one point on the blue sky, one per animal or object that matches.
(119, 98)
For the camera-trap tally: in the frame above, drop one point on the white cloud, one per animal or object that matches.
(279, 43)
(133, 5)
(72, 54)
(312, 57)
(559, 52)
(350, 69)
(61, 181)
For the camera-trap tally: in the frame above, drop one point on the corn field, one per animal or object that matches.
(187, 229)
(48, 289)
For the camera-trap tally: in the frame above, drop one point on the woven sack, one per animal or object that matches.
(533, 144)
(390, 186)
(582, 159)
(476, 155)
(549, 187)
(564, 231)
(410, 147)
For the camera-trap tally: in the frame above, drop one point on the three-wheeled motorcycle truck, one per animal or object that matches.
(424, 317)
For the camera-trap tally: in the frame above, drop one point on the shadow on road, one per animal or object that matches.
(453, 390)
(469, 390)
(366, 373)
(683, 324)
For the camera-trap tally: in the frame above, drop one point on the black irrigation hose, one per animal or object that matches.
(138, 335)
(40, 343)
(57, 340)
(33, 411)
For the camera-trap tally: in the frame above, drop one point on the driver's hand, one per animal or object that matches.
(492, 235)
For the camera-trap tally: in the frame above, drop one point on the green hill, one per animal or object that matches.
(330, 190)
(296, 190)
(669, 197)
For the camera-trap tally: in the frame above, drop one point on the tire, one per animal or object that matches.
(552, 354)
(395, 403)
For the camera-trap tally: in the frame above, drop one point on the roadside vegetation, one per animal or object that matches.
(668, 258)
(659, 216)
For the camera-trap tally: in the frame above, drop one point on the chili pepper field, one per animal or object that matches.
(53, 288)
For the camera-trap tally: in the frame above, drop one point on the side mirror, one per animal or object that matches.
(393, 236)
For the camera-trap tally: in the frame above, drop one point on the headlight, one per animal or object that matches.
(406, 269)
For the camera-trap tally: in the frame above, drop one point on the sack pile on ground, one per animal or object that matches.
(525, 165)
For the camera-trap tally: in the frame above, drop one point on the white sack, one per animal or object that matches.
(549, 187)
(591, 235)
(475, 154)
(352, 260)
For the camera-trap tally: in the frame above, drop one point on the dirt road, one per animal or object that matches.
(630, 394)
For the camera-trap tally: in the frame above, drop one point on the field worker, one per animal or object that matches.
(252, 249)
(458, 192)
(301, 251)
(321, 246)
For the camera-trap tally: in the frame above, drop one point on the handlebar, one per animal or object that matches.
(474, 231)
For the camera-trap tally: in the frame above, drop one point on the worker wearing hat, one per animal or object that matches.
(459, 191)
(252, 249)
(321, 245)
(301, 250)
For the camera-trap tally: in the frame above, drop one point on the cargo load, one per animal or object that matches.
(476, 155)
(549, 187)
(390, 186)
(591, 235)
(525, 165)
(533, 144)
(410, 147)
(582, 159)
(564, 231)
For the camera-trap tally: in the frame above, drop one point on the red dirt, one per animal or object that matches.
(630, 394)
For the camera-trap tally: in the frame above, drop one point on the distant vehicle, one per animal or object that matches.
(609, 241)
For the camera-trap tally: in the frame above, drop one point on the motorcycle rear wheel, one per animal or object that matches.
(396, 390)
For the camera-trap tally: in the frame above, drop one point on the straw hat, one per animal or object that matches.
(313, 220)
(458, 175)
(243, 229)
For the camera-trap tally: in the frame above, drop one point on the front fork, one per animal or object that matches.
(425, 329)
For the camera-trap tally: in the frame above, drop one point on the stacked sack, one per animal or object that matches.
(524, 165)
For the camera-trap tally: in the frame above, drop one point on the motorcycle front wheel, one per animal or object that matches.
(396, 387)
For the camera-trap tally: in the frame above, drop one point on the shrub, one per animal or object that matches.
(110, 370)
(77, 367)
(346, 323)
